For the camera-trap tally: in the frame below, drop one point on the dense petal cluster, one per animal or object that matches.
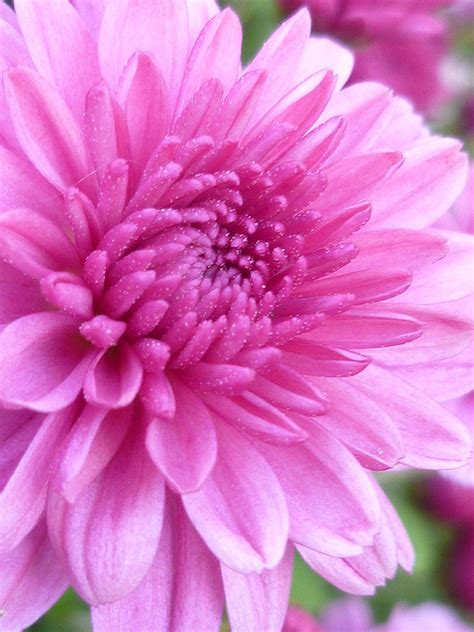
(401, 42)
(221, 307)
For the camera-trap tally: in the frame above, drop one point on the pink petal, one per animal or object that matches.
(23, 498)
(184, 448)
(107, 137)
(215, 55)
(355, 179)
(21, 186)
(159, 27)
(44, 362)
(143, 96)
(331, 502)
(280, 56)
(182, 591)
(47, 131)
(19, 295)
(114, 378)
(367, 109)
(449, 278)
(321, 53)
(91, 444)
(32, 580)
(432, 437)
(337, 572)
(358, 422)
(108, 538)
(430, 180)
(240, 511)
(60, 47)
(258, 602)
(411, 250)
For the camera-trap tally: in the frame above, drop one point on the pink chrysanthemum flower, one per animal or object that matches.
(221, 307)
(400, 42)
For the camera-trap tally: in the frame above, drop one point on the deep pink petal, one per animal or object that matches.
(108, 538)
(32, 581)
(44, 362)
(114, 378)
(240, 511)
(258, 602)
(182, 591)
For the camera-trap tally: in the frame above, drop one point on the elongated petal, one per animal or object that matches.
(32, 580)
(334, 522)
(430, 180)
(240, 511)
(23, 498)
(182, 591)
(47, 131)
(91, 444)
(61, 48)
(431, 436)
(119, 515)
(43, 362)
(258, 602)
(184, 448)
(160, 28)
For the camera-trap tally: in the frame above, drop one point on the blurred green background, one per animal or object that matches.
(431, 539)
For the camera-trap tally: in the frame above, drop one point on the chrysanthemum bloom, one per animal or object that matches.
(220, 310)
(353, 615)
(401, 43)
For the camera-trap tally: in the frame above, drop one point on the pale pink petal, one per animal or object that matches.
(338, 613)
(23, 498)
(184, 448)
(361, 425)
(119, 515)
(323, 53)
(60, 47)
(199, 14)
(215, 55)
(258, 602)
(324, 487)
(91, 11)
(279, 56)
(159, 27)
(450, 278)
(431, 436)
(337, 572)
(182, 591)
(32, 581)
(240, 511)
(44, 362)
(429, 181)
(47, 131)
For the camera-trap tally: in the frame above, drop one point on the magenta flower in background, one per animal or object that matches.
(354, 615)
(401, 43)
(222, 306)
